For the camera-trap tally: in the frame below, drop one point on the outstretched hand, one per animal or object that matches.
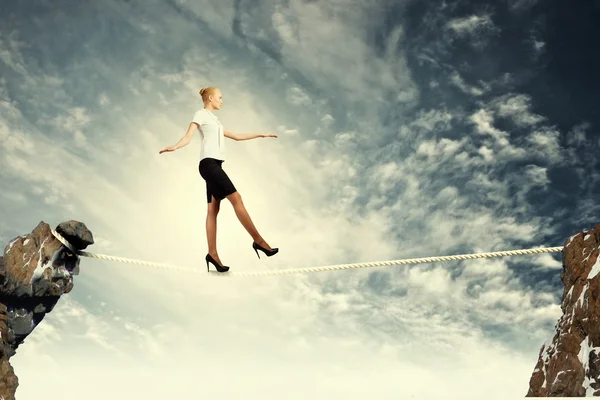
(166, 149)
(269, 135)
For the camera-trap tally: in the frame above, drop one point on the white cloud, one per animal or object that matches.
(306, 32)
(327, 119)
(542, 142)
(16, 141)
(291, 132)
(103, 99)
(547, 261)
(10, 53)
(486, 153)
(483, 121)
(537, 175)
(577, 136)
(143, 352)
(432, 120)
(545, 143)
(539, 46)
(14, 197)
(516, 106)
(458, 81)
(388, 175)
(440, 150)
(485, 268)
(297, 96)
(7, 105)
(73, 122)
(436, 281)
(471, 25)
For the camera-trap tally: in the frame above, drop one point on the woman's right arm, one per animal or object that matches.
(184, 141)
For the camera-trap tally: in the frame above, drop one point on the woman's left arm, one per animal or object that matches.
(239, 136)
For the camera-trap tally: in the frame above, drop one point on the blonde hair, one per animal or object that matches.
(206, 92)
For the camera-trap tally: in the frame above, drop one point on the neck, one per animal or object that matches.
(209, 107)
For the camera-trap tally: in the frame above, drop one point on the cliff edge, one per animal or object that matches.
(35, 270)
(569, 362)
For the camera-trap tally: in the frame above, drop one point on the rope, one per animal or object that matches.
(538, 250)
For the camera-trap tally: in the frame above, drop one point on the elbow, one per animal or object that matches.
(231, 135)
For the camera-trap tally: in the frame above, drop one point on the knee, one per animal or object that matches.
(235, 198)
(213, 210)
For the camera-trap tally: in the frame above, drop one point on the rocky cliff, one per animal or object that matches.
(35, 270)
(569, 362)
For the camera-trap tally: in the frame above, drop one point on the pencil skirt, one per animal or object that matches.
(218, 183)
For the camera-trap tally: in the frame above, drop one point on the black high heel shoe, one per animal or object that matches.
(219, 268)
(269, 253)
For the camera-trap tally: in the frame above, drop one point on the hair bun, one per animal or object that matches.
(205, 92)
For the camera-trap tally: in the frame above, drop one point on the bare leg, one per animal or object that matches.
(242, 214)
(211, 228)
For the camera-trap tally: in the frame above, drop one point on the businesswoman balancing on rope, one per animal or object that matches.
(218, 184)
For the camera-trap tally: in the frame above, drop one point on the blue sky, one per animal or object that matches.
(405, 130)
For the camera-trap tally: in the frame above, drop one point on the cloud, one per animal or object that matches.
(542, 141)
(471, 24)
(547, 261)
(138, 351)
(74, 122)
(483, 121)
(539, 46)
(302, 34)
(8, 106)
(521, 5)
(475, 28)
(537, 175)
(440, 150)
(10, 53)
(517, 107)
(545, 144)
(103, 99)
(431, 120)
(297, 96)
(578, 135)
(458, 81)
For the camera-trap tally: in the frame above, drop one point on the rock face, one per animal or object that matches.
(35, 270)
(569, 362)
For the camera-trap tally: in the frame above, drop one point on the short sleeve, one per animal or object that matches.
(199, 117)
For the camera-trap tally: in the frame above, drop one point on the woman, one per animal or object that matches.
(218, 184)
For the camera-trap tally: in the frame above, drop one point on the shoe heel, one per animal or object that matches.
(217, 266)
(269, 253)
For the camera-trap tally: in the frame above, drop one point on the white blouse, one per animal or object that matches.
(212, 134)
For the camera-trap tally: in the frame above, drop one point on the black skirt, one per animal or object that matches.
(218, 183)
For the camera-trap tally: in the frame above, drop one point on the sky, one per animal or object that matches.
(405, 129)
